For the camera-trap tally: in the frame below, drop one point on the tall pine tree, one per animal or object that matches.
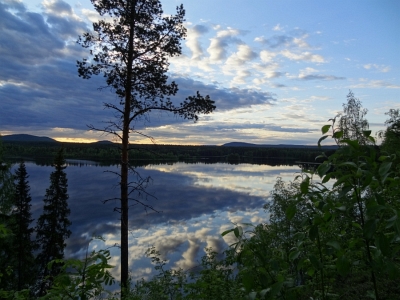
(52, 226)
(23, 246)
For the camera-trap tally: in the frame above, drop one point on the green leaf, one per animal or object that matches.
(248, 281)
(304, 185)
(341, 208)
(374, 208)
(238, 231)
(372, 139)
(356, 225)
(367, 133)
(313, 232)
(264, 291)
(384, 244)
(397, 226)
(342, 179)
(343, 265)
(325, 128)
(349, 164)
(353, 144)
(276, 288)
(227, 231)
(294, 254)
(338, 134)
(321, 139)
(323, 155)
(383, 157)
(323, 168)
(384, 168)
(252, 295)
(291, 211)
(369, 228)
(314, 261)
(327, 177)
(334, 244)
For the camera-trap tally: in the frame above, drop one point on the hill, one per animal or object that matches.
(26, 138)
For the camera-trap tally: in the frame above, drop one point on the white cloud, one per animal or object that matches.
(217, 49)
(218, 44)
(229, 32)
(379, 68)
(188, 257)
(192, 41)
(267, 56)
(241, 76)
(260, 39)
(277, 27)
(300, 42)
(312, 74)
(241, 57)
(304, 56)
(373, 84)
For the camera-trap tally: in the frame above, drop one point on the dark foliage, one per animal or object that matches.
(52, 226)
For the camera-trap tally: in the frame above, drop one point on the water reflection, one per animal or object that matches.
(196, 202)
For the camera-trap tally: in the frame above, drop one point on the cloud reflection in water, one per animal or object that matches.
(196, 203)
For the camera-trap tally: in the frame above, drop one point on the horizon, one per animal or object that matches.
(67, 140)
(276, 70)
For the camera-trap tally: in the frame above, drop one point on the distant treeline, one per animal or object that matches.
(108, 152)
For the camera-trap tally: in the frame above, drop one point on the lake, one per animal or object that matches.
(194, 202)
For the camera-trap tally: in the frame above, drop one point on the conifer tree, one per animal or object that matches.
(6, 204)
(131, 50)
(6, 186)
(52, 226)
(22, 245)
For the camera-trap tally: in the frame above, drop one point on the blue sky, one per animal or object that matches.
(277, 70)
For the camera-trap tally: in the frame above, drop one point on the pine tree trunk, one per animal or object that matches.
(125, 160)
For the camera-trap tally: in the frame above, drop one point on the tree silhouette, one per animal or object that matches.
(23, 246)
(132, 52)
(6, 185)
(353, 122)
(52, 226)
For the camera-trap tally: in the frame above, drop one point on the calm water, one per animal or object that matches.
(195, 203)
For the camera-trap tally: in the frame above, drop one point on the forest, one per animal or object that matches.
(109, 153)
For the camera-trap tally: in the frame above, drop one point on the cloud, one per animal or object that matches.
(57, 7)
(225, 98)
(379, 68)
(311, 74)
(277, 27)
(319, 77)
(275, 41)
(240, 58)
(193, 35)
(303, 56)
(295, 40)
(374, 84)
(218, 44)
(41, 85)
(267, 56)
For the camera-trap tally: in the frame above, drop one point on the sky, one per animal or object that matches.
(277, 70)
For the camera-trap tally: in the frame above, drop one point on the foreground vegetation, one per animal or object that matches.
(333, 232)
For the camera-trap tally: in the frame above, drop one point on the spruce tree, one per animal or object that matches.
(6, 187)
(22, 245)
(52, 226)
